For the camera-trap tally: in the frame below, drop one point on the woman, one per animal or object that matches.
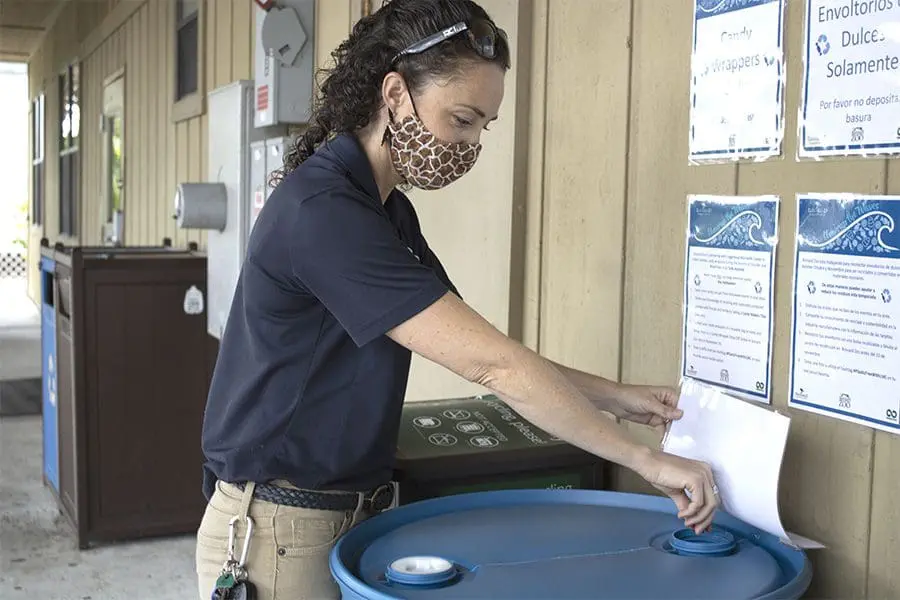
(339, 287)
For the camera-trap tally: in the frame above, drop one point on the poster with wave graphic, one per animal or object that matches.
(845, 348)
(728, 301)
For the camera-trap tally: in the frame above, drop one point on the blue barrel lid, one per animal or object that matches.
(561, 544)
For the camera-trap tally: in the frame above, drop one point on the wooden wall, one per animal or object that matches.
(135, 37)
(569, 234)
(61, 44)
(616, 155)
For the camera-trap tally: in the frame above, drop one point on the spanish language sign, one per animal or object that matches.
(844, 344)
(729, 277)
(736, 79)
(851, 80)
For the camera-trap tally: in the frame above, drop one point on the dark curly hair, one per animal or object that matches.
(350, 94)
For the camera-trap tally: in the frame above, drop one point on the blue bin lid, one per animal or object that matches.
(561, 544)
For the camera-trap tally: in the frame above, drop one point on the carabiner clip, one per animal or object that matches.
(231, 535)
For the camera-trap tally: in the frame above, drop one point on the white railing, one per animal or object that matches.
(13, 263)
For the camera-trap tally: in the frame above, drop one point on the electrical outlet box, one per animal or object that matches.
(284, 69)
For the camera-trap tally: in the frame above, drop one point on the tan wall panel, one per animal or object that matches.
(534, 208)
(223, 42)
(91, 79)
(242, 37)
(166, 82)
(659, 180)
(884, 529)
(658, 184)
(181, 169)
(831, 505)
(196, 169)
(155, 180)
(168, 174)
(51, 158)
(332, 28)
(132, 164)
(584, 202)
(140, 127)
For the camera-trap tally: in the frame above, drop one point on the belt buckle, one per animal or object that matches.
(388, 490)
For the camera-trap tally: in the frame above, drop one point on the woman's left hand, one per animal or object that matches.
(648, 405)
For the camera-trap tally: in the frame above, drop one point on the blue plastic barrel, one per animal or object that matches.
(50, 413)
(561, 544)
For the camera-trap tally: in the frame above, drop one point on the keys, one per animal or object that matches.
(243, 591)
(229, 589)
(224, 587)
(233, 583)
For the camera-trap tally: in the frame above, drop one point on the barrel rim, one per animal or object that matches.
(794, 560)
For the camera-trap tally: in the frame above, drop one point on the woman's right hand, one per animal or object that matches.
(674, 476)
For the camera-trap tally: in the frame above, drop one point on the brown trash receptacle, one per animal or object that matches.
(134, 366)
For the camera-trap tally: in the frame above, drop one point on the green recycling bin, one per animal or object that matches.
(462, 445)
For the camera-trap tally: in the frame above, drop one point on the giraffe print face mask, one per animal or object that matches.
(423, 160)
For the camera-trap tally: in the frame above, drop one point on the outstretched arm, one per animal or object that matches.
(644, 404)
(453, 335)
(456, 337)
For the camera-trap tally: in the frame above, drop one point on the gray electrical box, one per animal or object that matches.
(229, 107)
(266, 157)
(275, 150)
(284, 70)
(257, 180)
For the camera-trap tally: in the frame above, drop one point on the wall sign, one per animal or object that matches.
(851, 79)
(728, 303)
(845, 343)
(737, 80)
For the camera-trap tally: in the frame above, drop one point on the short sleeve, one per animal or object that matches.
(349, 255)
(404, 213)
(430, 259)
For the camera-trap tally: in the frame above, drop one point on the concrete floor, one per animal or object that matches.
(20, 332)
(39, 559)
(38, 556)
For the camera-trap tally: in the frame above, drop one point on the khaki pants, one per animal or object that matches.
(289, 547)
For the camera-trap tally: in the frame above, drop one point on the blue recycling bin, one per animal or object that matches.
(561, 544)
(48, 369)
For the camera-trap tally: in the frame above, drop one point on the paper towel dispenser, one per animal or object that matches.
(201, 206)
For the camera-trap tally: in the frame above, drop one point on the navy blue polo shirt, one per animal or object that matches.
(307, 387)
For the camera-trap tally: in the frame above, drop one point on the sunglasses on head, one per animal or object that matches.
(482, 36)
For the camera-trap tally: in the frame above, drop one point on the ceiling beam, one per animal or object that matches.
(22, 27)
(11, 56)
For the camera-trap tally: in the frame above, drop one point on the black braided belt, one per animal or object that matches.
(378, 499)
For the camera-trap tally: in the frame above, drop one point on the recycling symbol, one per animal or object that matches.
(823, 45)
(51, 380)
